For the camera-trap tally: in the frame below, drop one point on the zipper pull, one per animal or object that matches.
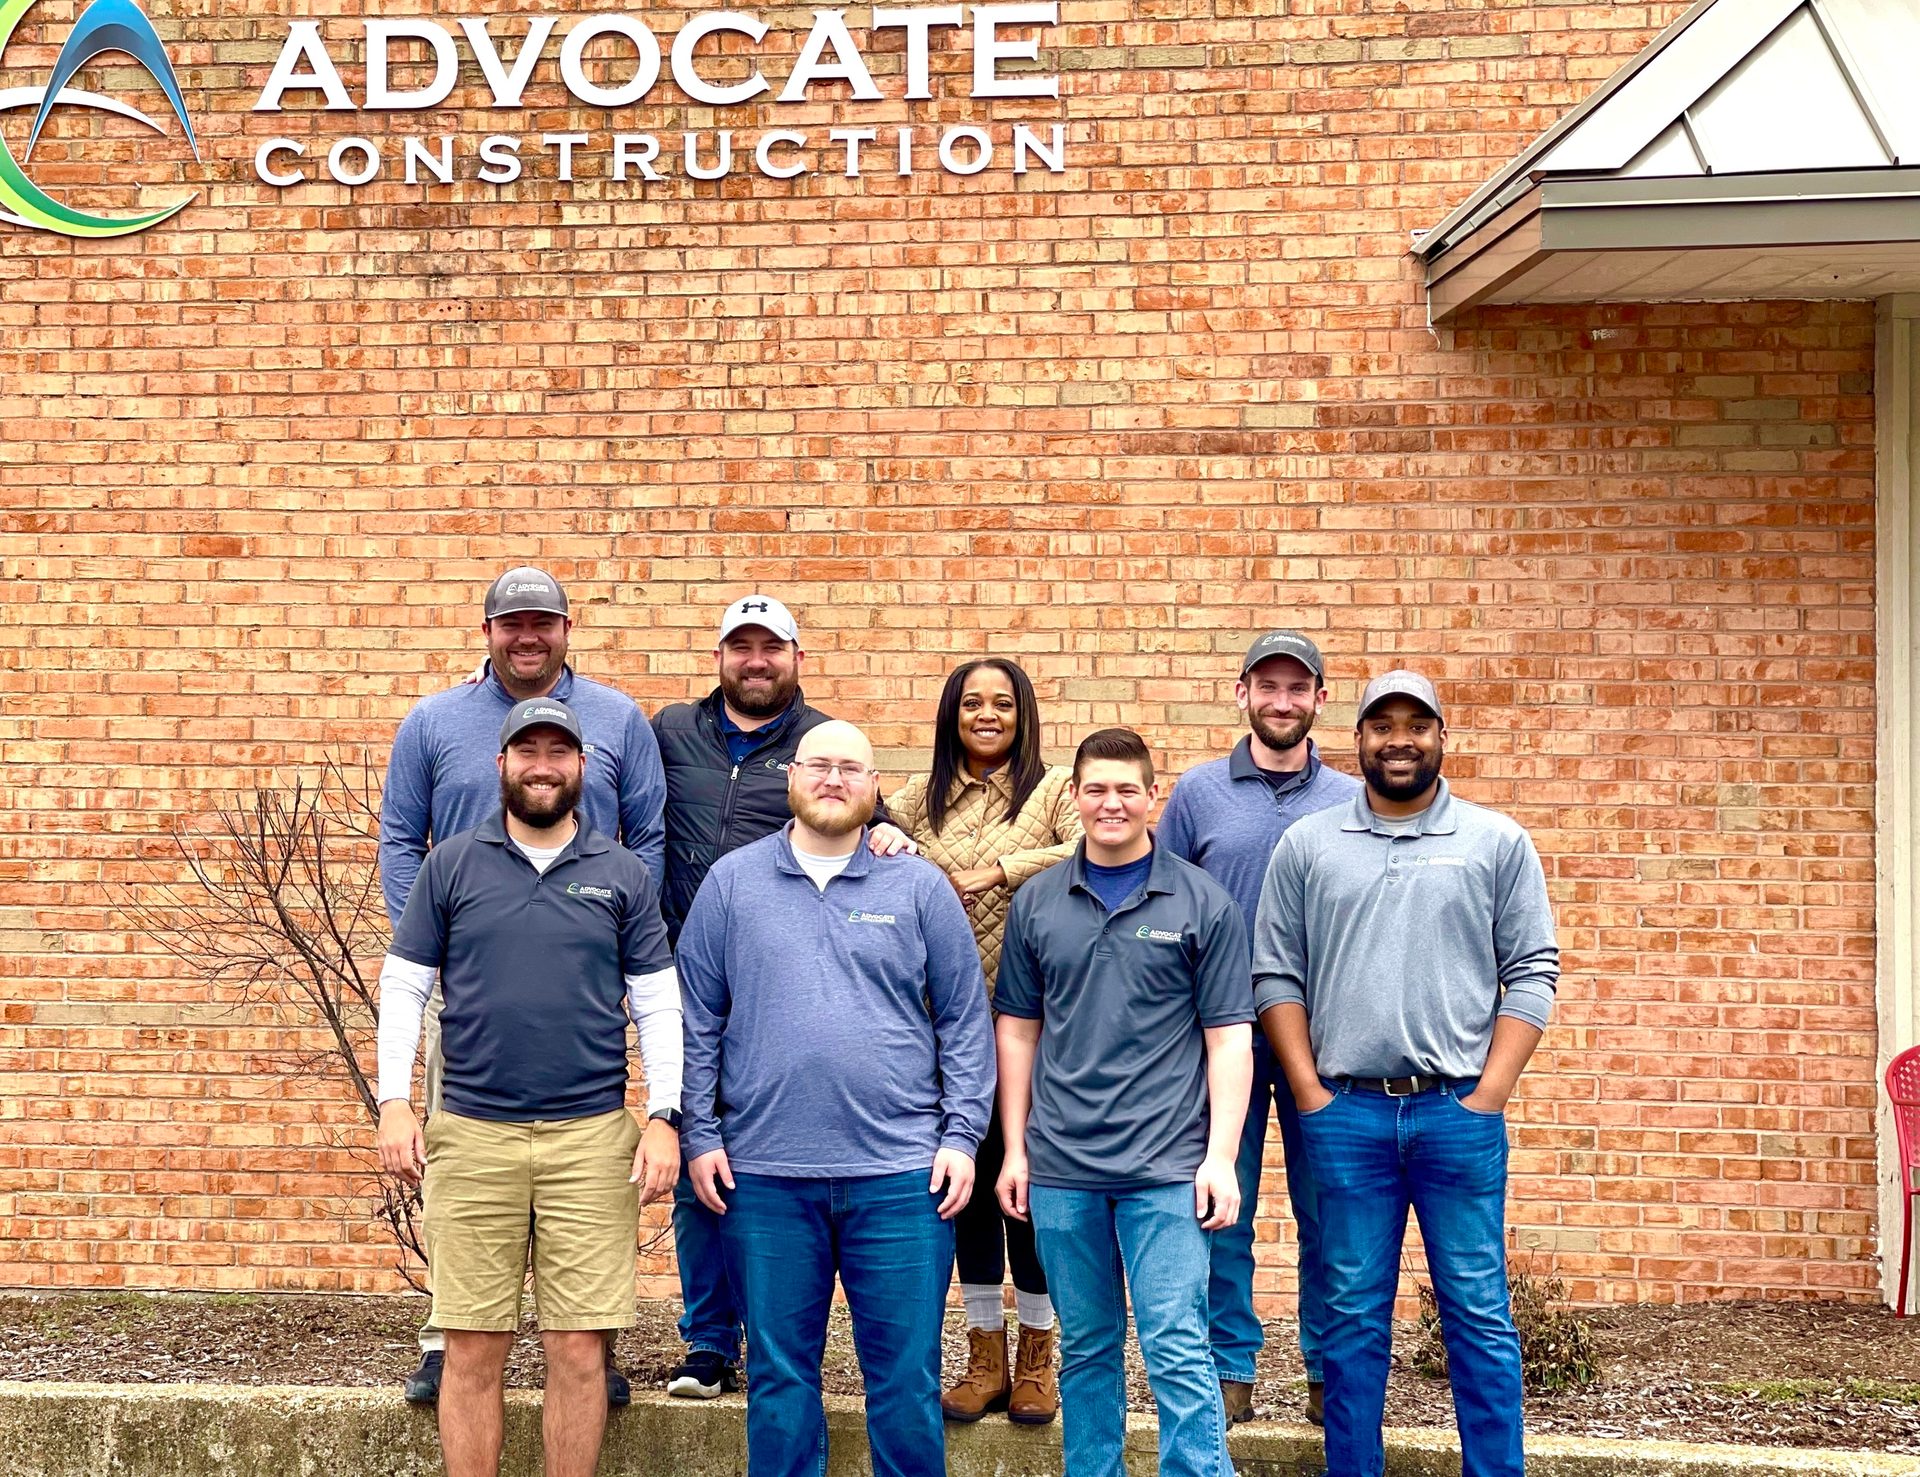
(736, 773)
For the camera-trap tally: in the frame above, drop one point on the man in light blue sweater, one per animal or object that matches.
(443, 778)
(1404, 964)
(1227, 816)
(839, 1075)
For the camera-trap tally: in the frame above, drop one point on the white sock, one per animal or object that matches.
(984, 1306)
(1035, 1310)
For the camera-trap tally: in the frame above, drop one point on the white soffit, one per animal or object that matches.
(1780, 108)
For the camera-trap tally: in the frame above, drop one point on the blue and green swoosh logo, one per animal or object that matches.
(106, 25)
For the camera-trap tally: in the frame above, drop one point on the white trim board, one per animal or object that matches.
(1896, 391)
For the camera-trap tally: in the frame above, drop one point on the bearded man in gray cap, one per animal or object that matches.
(1404, 965)
(443, 779)
(1226, 817)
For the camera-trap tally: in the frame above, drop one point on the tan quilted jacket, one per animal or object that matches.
(977, 833)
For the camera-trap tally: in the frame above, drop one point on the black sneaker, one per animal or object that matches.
(423, 1385)
(703, 1376)
(619, 1392)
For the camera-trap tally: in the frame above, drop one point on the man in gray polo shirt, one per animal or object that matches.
(1226, 816)
(1404, 966)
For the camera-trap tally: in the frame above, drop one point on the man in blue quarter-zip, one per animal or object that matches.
(839, 1078)
(1226, 816)
(726, 760)
(443, 779)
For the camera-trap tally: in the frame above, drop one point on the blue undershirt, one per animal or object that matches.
(743, 741)
(1114, 885)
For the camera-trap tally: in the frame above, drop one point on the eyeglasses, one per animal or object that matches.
(821, 769)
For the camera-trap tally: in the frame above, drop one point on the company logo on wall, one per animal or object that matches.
(1003, 65)
(1004, 57)
(106, 25)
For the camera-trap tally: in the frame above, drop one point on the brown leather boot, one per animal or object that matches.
(985, 1385)
(1036, 1392)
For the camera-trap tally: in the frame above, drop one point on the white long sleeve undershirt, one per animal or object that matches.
(653, 1001)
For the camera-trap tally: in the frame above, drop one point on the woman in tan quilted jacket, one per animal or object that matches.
(991, 815)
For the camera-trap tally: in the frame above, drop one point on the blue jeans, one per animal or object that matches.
(1374, 1157)
(1236, 1330)
(785, 1239)
(1096, 1245)
(709, 1321)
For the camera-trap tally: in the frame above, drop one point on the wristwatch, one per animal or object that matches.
(668, 1116)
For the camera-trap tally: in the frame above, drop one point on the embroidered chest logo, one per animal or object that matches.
(582, 889)
(1159, 935)
(860, 916)
(1438, 861)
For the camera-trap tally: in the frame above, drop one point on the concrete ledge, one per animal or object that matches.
(55, 1430)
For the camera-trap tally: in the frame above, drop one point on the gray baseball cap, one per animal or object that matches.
(540, 712)
(763, 611)
(1286, 643)
(1399, 683)
(525, 588)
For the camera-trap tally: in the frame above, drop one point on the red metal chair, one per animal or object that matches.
(1903, 1090)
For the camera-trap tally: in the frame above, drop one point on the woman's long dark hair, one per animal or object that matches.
(1025, 765)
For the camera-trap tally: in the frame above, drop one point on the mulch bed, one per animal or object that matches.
(1770, 1374)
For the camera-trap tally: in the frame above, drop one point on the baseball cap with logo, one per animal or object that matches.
(1399, 683)
(763, 611)
(540, 712)
(1286, 643)
(525, 588)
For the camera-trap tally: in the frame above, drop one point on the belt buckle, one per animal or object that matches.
(1413, 1086)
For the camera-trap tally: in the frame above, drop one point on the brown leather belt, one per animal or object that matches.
(1399, 1086)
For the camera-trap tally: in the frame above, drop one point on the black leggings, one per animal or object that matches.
(985, 1239)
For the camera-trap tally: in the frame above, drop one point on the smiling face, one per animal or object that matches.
(1281, 697)
(759, 673)
(1402, 747)
(527, 649)
(989, 718)
(1113, 797)
(831, 783)
(541, 773)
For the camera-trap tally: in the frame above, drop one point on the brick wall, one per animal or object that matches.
(259, 463)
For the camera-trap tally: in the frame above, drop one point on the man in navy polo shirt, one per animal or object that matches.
(1126, 1054)
(839, 1078)
(545, 938)
(1227, 816)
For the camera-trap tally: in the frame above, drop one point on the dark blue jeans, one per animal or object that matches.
(1236, 1332)
(709, 1320)
(785, 1239)
(1374, 1157)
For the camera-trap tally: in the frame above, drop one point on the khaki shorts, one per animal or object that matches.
(561, 1185)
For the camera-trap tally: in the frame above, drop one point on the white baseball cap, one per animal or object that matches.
(763, 611)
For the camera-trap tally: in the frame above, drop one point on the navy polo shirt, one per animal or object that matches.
(1123, 997)
(532, 968)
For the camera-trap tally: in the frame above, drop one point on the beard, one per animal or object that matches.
(1425, 772)
(1280, 736)
(830, 820)
(529, 811)
(763, 703)
(543, 676)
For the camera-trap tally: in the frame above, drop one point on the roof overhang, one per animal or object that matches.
(1622, 200)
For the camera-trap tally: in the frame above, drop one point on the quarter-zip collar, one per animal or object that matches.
(858, 865)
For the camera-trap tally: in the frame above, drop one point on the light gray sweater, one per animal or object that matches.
(1405, 948)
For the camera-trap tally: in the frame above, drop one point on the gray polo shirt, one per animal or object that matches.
(1404, 948)
(1120, 1077)
(532, 966)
